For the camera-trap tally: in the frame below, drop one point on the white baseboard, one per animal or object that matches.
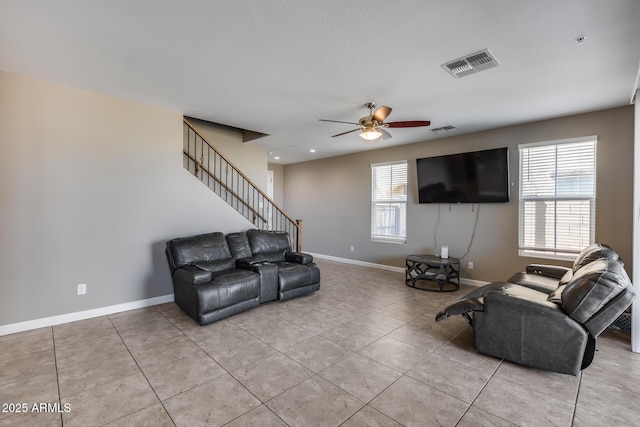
(356, 262)
(463, 280)
(81, 315)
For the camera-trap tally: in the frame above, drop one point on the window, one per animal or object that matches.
(389, 202)
(557, 197)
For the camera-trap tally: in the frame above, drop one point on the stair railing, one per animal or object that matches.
(203, 160)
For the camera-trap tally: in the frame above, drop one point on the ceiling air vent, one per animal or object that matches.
(445, 129)
(471, 64)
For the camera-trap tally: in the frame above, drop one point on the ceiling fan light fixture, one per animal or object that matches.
(370, 134)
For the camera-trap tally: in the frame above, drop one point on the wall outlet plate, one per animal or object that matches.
(82, 288)
(470, 265)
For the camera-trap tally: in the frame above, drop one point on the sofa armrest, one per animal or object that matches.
(555, 271)
(249, 263)
(191, 274)
(299, 257)
(523, 301)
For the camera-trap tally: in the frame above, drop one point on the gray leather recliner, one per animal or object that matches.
(553, 331)
(216, 276)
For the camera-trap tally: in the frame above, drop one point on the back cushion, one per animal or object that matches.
(592, 253)
(239, 245)
(592, 287)
(271, 245)
(198, 249)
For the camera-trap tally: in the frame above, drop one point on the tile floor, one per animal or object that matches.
(363, 351)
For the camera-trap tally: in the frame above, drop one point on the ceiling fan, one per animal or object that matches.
(373, 126)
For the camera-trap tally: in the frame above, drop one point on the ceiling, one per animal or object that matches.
(278, 66)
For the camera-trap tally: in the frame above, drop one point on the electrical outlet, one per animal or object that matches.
(352, 249)
(82, 288)
(470, 265)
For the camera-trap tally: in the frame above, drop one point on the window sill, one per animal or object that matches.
(547, 255)
(397, 242)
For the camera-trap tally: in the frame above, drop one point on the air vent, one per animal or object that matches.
(445, 129)
(471, 64)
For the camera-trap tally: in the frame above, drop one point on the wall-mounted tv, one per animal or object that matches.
(475, 177)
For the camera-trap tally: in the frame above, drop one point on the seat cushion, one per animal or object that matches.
(293, 275)
(535, 281)
(228, 288)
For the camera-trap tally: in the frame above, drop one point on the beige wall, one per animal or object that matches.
(91, 188)
(332, 196)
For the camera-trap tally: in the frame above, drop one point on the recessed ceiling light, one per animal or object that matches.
(312, 151)
(276, 158)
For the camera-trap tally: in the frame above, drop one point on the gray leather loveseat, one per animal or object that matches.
(550, 330)
(216, 276)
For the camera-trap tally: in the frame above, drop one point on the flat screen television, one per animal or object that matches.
(475, 177)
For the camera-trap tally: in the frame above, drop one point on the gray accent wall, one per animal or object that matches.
(333, 196)
(91, 188)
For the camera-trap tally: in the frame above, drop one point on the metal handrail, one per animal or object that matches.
(226, 180)
(229, 189)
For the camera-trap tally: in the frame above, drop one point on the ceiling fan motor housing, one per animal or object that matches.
(368, 123)
(374, 124)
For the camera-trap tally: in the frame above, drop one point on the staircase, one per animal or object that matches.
(216, 172)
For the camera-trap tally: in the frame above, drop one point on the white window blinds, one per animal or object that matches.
(557, 197)
(389, 202)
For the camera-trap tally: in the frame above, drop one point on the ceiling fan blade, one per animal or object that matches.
(344, 133)
(385, 134)
(381, 113)
(409, 124)
(337, 121)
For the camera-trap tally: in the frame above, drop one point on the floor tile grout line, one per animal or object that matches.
(230, 373)
(446, 392)
(402, 374)
(591, 409)
(252, 363)
(575, 404)
(530, 388)
(316, 374)
(222, 367)
(261, 404)
(324, 379)
(145, 378)
(83, 362)
(608, 384)
(55, 361)
(374, 398)
(284, 354)
(480, 392)
(93, 358)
